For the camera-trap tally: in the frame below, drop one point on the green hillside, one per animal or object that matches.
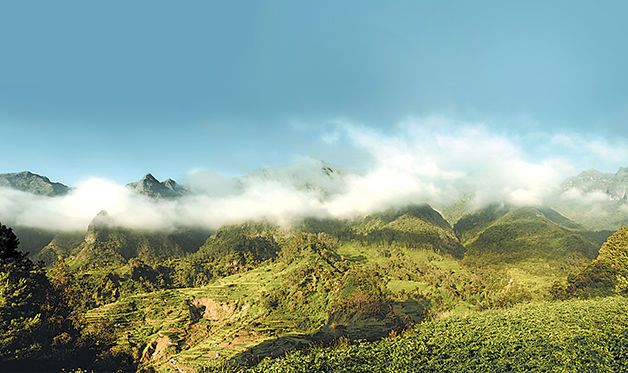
(416, 226)
(106, 244)
(261, 291)
(193, 301)
(563, 336)
(314, 290)
(531, 247)
(606, 275)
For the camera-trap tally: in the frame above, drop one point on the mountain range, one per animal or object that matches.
(193, 299)
(594, 199)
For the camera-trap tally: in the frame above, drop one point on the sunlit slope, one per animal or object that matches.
(571, 336)
(532, 246)
(416, 226)
(314, 290)
(606, 275)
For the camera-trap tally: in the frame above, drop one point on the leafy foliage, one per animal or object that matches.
(606, 275)
(38, 321)
(564, 336)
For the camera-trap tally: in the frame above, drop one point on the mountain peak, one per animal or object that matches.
(623, 171)
(101, 220)
(151, 187)
(29, 182)
(150, 178)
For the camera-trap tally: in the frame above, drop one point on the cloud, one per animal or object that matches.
(437, 161)
(433, 160)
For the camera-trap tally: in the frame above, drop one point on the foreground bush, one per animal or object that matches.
(576, 335)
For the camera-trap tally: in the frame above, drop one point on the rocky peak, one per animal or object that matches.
(29, 182)
(149, 178)
(151, 187)
(172, 185)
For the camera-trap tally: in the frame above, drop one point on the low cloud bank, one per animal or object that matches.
(429, 160)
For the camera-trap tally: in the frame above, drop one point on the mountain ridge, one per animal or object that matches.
(151, 187)
(29, 182)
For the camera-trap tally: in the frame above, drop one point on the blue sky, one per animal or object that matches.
(117, 89)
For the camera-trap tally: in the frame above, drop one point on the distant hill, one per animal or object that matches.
(418, 226)
(310, 175)
(615, 186)
(29, 182)
(105, 244)
(595, 199)
(151, 187)
(511, 233)
(532, 247)
(415, 226)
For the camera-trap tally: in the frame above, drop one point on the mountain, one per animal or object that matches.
(508, 234)
(532, 247)
(595, 199)
(151, 187)
(29, 182)
(32, 240)
(62, 245)
(415, 226)
(310, 175)
(108, 244)
(606, 275)
(615, 186)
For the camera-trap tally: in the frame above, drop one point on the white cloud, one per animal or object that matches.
(431, 160)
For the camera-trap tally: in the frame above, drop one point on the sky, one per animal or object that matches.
(118, 89)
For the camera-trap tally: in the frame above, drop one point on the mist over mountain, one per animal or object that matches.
(285, 195)
(614, 185)
(596, 199)
(456, 170)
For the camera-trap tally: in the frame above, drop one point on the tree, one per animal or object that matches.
(8, 246)
(23, 301)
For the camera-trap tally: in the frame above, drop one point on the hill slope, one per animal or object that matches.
(606, 275)
(532, 246)
(561, 336)
(105, 244)
(416, 226)
(511, 234)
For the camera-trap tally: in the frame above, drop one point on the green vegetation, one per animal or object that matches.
(39, 324)
(404, 279)
(606, 275)
(532, 247)
(572, 336)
